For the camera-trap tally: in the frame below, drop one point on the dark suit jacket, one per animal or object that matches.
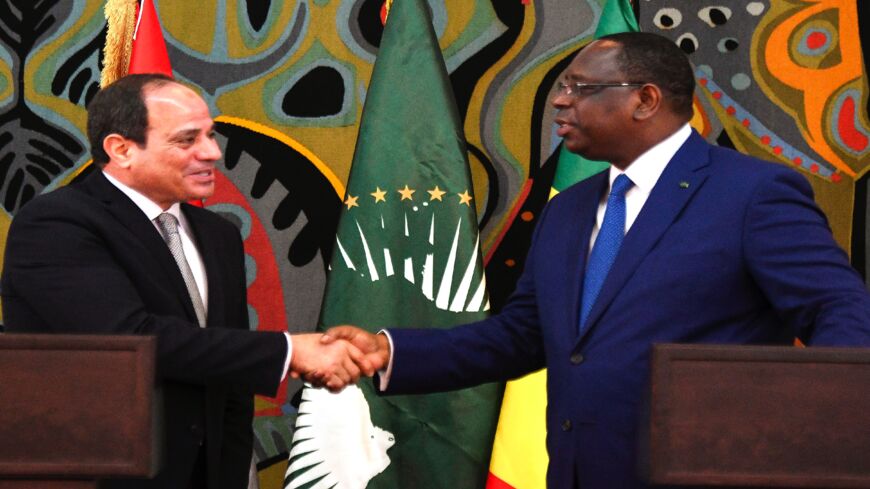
(727, 249)
(85, 259)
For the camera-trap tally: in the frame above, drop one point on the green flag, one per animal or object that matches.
(616, 16)
(406, 255)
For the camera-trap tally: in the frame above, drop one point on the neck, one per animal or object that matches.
(122, 178)
(648, 136)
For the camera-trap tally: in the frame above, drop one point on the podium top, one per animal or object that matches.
(77, 406)
(759, 416)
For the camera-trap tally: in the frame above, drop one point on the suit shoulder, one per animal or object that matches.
(735, 161)
(67, 201)
(756, 176)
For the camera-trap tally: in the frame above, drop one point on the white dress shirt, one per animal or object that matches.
(644, 172)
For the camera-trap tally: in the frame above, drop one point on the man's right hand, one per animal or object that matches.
(333, 364)
(375, 347)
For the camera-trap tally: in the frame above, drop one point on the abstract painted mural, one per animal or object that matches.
(784, 80)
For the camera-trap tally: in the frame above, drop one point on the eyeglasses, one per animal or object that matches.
(577, 89)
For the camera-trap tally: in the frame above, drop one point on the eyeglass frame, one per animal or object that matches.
(575, 89)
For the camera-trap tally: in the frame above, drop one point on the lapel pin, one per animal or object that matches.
(684, 184)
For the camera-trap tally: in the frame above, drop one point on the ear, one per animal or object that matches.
(650, 102)
(120, 149)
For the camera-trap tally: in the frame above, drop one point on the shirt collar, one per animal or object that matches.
(148, 206)
(645, 171)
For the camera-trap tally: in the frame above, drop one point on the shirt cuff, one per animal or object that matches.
(385, 373)
(289, 354)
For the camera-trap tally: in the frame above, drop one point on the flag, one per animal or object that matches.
(406, 255)
(134, 41)
(616, 16)
(148, 54)
(519, 455)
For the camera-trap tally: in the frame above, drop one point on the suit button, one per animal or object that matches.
(577, 359)
(566, 425)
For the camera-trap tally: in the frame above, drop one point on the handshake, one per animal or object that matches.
(338, 357)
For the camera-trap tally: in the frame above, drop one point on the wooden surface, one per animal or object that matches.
(759, 416)
(47, 484)
(77, 406)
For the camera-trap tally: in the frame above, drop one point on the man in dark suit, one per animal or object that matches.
(121, 253)
(679, 241)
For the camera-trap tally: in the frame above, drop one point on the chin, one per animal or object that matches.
(201, 193)
(575, 148)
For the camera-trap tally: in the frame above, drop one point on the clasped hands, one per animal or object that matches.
(338, 357)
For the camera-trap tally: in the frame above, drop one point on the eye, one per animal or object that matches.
(585, 89)
(184, 142)
(667, 18)
(715, 16)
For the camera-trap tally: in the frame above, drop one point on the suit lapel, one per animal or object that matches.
(683, 176)
(131, 217)
(204, 234)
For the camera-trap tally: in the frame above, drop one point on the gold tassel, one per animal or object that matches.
(387, 5)
(121, 17)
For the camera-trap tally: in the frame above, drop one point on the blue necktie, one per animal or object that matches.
(606, 246)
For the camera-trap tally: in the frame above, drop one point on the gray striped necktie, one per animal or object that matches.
(169, 228)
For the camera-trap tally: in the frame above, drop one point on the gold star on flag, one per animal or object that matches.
(351, 201)
(464, 198)
(407, 193)
(436, 193)
(379, 195)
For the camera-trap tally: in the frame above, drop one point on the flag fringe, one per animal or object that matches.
(121, 18)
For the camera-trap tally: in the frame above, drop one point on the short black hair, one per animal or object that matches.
(119, 108)
(651, 58)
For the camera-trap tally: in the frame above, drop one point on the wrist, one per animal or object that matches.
(297, 357)
(383, 348)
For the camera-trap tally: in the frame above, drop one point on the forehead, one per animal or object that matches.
(174, 104)
(597, 61)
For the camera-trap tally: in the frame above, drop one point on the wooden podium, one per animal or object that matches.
(759, 416)
(76, 409)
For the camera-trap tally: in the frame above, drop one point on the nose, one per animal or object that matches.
(560, 100)
(209, 150)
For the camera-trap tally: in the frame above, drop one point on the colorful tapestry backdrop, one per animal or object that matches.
(781, 79)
